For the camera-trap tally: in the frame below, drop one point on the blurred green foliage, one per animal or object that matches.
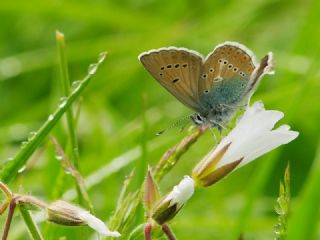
(124, 107)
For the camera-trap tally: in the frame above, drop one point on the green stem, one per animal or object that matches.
(171, 157)
(143, 164)
(65, 83)
(32, 227)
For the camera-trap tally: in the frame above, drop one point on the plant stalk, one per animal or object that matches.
(168, 232)
(32, 227)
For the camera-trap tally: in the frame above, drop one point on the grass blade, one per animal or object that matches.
(11, 168)
(65, 83)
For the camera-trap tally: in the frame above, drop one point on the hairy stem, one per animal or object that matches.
(12, 207)
(148, 231)
(171, 157)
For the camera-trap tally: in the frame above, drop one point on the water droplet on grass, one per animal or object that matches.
(31, 135)
(50, 118)
(24, 143)
(102, 57)
(63, 104)
(76, 83)
(22, 169)
(92, 68)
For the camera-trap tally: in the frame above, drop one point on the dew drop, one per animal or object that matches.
(62, 99)
(50, 118)
(63, 104)
(75, 84)
(279, 210)
(277, 229)
(24, 143)
(59, 158)
(31, 135)
(102, 57)
(92, 68)
(22, 169)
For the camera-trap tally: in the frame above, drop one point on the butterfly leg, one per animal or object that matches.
(234, 107)
(214, 135)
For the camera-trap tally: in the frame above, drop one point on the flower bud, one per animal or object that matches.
(151, 193)
(168, 207)
(206, 173)
(64, 213)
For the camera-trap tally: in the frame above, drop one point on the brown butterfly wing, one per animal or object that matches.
(230, 73)
(265, 67)
(177, 70)
(228, 61)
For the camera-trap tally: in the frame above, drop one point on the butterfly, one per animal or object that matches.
(215, 86)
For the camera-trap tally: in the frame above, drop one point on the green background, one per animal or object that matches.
(122, 92)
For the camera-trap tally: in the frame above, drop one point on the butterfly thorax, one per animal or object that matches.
(219, 104)
(218, 116)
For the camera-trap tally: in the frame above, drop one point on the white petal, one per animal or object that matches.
(99, 226)
(181, 192)
(253, 135)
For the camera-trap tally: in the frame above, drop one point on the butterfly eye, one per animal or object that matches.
(161, 74)
(235, 69)
(230, 66)
(225, 62)
(206, 91)
(211, 69)
(169, 66)
(185, 65)
(162, 68)
(220, 60)
(176, 66)
(199, 118)
(204, 76)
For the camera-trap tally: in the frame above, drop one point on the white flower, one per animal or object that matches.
(99, 226)
(252, 137)
(181, 193)
(64, 213)
(168, 207)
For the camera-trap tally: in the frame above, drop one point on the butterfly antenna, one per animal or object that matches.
(175, 124)
(214, 135)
